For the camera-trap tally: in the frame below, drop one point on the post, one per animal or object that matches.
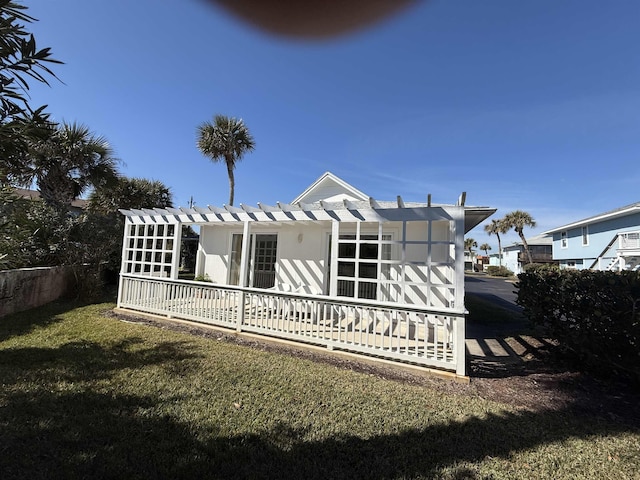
(127, 227)
(459, 346)
(244, 267)
(459, 330)
(335, 234)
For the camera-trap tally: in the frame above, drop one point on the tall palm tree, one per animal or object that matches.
(469, 243)
(68, 161)
(517, 220)
(496, 227)
(486, 247)
(227, 139)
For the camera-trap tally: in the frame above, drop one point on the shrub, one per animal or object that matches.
(537, 267)
(202, 278)
(595, 316)
(499, 271)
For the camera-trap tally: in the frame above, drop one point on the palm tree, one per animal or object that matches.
(469, 243)
(486, 247)
(517, 220)
(67, 162)
(496, 227)
(225, 139)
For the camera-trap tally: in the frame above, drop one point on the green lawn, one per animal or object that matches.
(88, 396)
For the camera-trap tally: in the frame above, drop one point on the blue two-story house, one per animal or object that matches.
(608, 241)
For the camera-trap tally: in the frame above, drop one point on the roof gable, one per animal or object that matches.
(330, 188)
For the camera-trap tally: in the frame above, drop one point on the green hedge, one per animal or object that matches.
(499, 271)
(595, 316)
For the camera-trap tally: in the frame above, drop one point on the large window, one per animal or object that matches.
(359, 263)
(408, 262)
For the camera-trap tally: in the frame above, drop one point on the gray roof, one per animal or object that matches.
(618, 212)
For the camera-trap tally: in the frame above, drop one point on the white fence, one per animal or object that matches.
(629, 240)
(397, 332)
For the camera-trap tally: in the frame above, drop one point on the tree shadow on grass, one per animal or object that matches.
(22, 323)
(51, 428)
(92, 434)
(81, 360)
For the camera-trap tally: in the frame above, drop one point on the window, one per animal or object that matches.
(358, 273)
(585, 235)
(564, 242)
(571, 264)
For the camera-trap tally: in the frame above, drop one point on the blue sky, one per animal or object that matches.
(523, 105)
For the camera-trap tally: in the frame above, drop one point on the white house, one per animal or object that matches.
(607, 241)
(334, 267)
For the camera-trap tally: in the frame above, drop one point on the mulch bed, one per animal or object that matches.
(538, 380)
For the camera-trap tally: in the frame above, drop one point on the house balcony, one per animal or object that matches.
(536, 257)
(629, 244)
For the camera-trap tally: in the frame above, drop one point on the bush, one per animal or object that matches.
(538, 267)
(595, 316)
(499, 271)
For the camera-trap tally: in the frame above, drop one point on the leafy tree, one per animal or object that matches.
(469, 244)
(485, 247)
(226, 139)
(518, 220)
(20, 60)
(67, 161)
(31, 232)
(102, 211)
(130, 193)
(497, 227)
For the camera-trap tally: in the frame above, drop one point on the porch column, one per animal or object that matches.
(244, 268)
(335, 235)
(460, 325)
(127, 228)
(175, 253)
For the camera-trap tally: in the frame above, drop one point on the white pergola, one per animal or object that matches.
(416, 315)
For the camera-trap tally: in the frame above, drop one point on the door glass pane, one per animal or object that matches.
(236, 256)
(264, 263)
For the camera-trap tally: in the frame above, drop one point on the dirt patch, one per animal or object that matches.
(535, 379)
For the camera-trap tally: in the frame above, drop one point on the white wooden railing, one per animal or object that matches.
(397, 332)
(629, 241)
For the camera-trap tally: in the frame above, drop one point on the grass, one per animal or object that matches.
(84, 395)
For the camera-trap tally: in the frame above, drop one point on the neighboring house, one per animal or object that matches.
(608, 241)
(514, 257)
(334, 267)
(78, 205)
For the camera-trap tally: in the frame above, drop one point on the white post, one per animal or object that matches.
(460, 324)
(175, 259)
(244, 267)
(125, 235)
(335, 234)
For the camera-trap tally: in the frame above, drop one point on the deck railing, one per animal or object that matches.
(404, 333)
(629, 241)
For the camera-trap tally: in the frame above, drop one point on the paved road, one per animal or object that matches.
(497, 290)
(487, 347)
